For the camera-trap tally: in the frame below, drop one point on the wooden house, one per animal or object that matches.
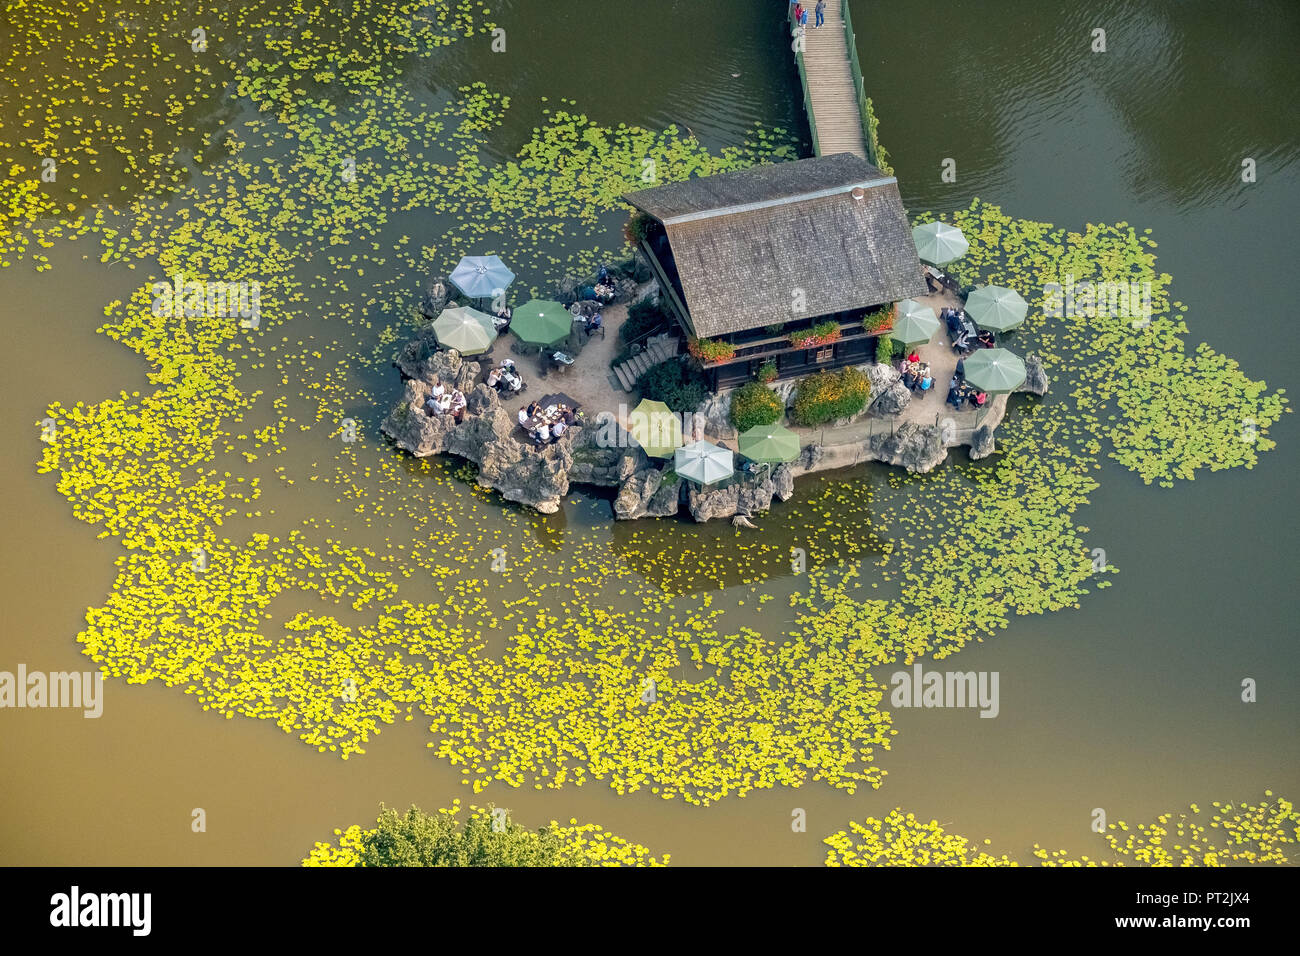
(750, 261)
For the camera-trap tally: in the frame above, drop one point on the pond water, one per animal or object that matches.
(1129, 702)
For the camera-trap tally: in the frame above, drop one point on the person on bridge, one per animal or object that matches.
(803, 18)
(821, 13)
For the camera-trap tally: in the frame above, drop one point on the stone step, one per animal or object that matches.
(625, 379)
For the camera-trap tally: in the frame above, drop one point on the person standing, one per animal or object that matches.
(821, 13)
(803, 18)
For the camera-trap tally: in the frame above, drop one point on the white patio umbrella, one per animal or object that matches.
(704, 462)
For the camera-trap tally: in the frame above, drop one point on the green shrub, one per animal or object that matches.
(638, 227)
(675, 383)
(884, 350)
(755, 404)
(642, 317)
(827, 396)
(767, 372)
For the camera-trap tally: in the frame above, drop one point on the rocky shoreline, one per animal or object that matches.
(598, 453)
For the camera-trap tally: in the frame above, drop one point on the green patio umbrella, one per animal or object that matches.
(939, 243)
(995, 371)
(996, 308)
(466, 330)
(704, 462)
(769, 443)
(916, 323)
(656, 428)
(541, 323)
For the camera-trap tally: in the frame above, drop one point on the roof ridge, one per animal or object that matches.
(781, 201)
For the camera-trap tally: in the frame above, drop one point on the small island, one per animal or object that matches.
(789, 297)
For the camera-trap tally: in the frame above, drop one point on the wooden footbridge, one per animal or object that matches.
(834, 94)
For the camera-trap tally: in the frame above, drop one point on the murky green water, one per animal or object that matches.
(1128, 703)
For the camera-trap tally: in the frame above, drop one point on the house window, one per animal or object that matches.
(824, 354)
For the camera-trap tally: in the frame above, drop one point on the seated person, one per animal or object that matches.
(985, 338)
(534, 409)
(925, 379)
(558, 429)
(914, 358)
(458, 403)
(956, 394)
(909, 377)
(431, 405)
(961, 369)
(570, 416)
(437, 389)
(444, 403)
(594, 323)
(542, 434)
(978, 398)
(524, 418)
(494, 378)
(511, 379)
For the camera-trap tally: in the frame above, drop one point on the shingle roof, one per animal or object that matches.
(745, 241)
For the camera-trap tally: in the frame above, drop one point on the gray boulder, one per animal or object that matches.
(438, 294)
(981, 443)
(714, 416)
(646, 495)
(745, 498)
(783, 482)
(1035, 377)
(889, 396)
(918, 448)
(597, 461)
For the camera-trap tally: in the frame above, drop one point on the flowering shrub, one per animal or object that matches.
(767, 372)
(711, 350)
(823, 333)
(755, 404)
(882, 318)
(827, 396)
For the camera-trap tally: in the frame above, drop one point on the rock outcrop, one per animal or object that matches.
(537, 477)
(889, 396)
(1035, 377)
(599, 461)
(746, 497)
(647, 495)
(713, 416)
(981, 443)
(918, 448)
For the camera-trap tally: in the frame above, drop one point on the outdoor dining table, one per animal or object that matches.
(549, 416)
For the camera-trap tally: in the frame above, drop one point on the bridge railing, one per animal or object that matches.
(797, 38)
(859, 85)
